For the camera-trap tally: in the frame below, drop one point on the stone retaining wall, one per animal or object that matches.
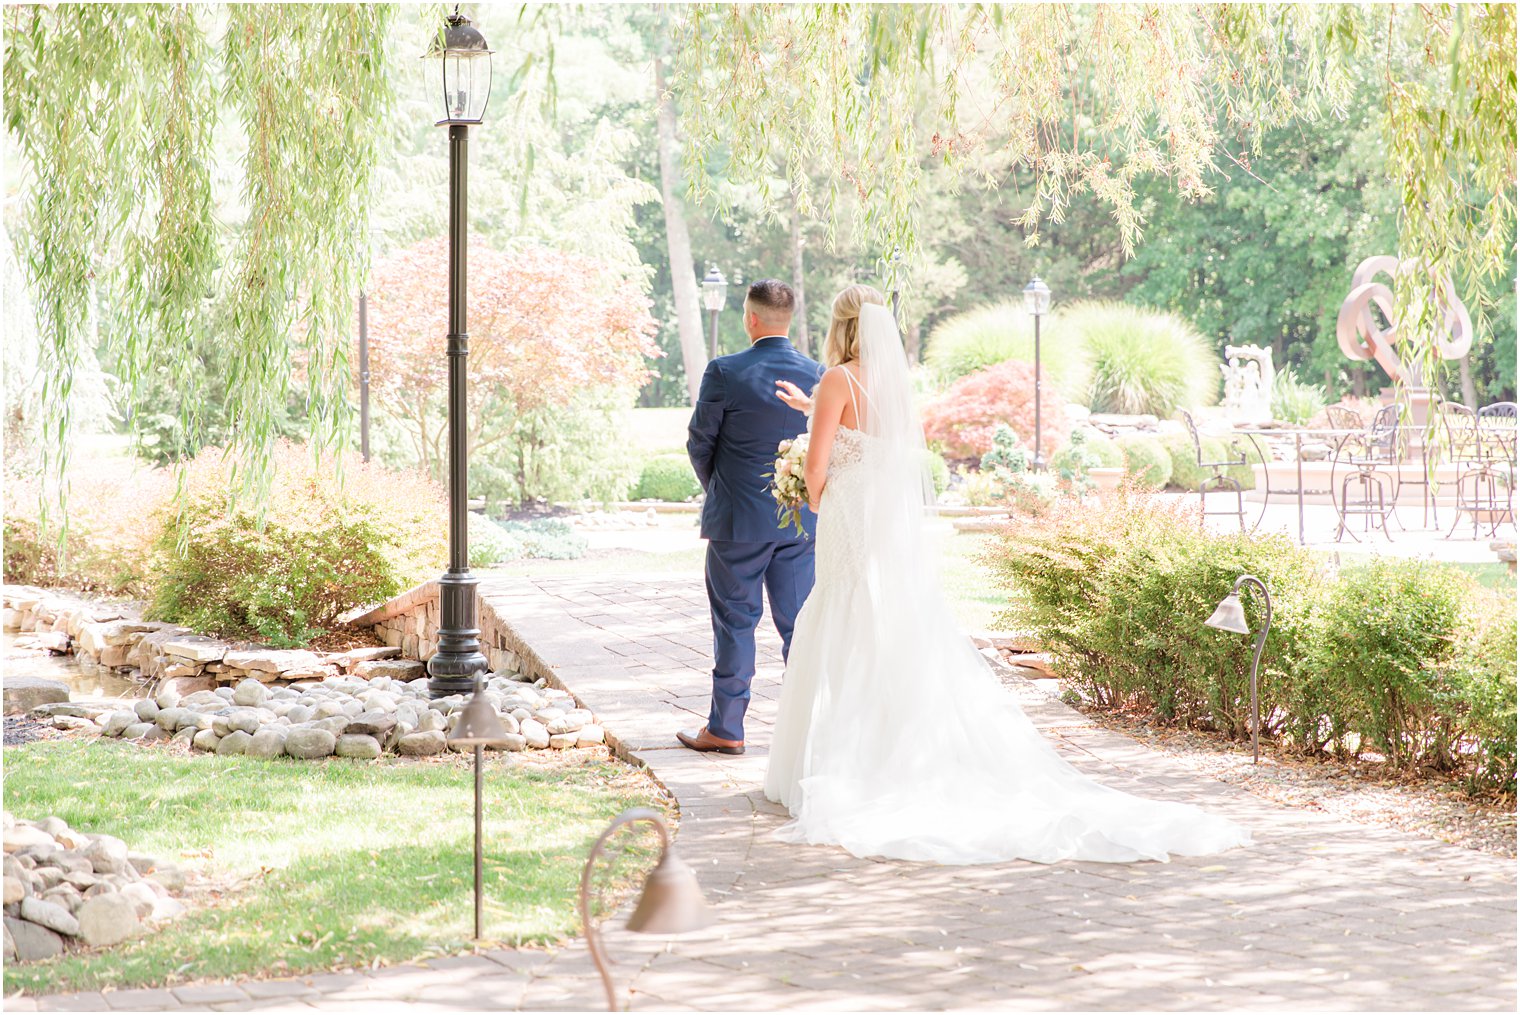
(410, 621)
(116, 638)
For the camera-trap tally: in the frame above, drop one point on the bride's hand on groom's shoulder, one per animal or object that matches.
(793, 396)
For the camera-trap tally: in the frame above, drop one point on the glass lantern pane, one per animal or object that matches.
(466, 85)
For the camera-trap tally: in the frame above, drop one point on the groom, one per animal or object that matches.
(732, 442)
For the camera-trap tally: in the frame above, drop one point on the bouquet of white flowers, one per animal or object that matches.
(787, 484)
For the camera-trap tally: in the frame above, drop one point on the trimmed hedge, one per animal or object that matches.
(1146, 460)
(1409, 659)
(1187, 473)
(667, 477)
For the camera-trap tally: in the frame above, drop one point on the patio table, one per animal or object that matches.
(1335, 437)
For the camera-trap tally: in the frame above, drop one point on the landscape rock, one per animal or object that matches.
(205, 740)
(266, 743)
(19, 837)
(590, 736)
(534, 732)
(357, 745)
(561, 741)
(146, 709)
(196, 648)
(309, 743)
(396, 669)
(50, 915)
(422, 743)
(22, 694)
(137, 730)
(107, 919)
(31, 942)
(107, 854)
(250, 692)
(235, 742)
(116, 722)
(374, 723)
(15, 891)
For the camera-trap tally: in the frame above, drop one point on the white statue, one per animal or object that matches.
(1248, 377)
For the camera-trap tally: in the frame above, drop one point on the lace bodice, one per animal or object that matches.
(849, 447)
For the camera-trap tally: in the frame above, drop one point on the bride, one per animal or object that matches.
(894, 738)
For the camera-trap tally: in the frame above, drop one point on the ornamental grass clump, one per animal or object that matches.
(993, 334)
(1142, 361)
(327, 541)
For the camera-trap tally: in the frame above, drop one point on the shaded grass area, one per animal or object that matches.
(300, 867)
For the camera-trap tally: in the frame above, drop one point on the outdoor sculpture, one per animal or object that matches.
(1358, 332)
(1248, 377)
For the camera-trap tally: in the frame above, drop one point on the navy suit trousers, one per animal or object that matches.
(736, 573)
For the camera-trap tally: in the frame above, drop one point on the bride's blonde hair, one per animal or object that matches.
(843, 341)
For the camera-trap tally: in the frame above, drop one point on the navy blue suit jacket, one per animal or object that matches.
(735, 427)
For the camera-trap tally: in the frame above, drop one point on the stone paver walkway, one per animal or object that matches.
(1318, 914)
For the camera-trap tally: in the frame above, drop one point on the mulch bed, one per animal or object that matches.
(1357, 790)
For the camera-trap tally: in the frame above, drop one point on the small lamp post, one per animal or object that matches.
(1037, 303)
(671, 902)
(714, 296)
(894, 271)
(479, 727)
(1230, 616)
(465, 60)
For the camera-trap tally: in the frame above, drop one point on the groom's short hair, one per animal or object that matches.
(771, 298)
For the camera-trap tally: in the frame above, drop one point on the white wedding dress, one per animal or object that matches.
(893, 737)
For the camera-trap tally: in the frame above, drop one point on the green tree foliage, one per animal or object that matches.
(1077, 102)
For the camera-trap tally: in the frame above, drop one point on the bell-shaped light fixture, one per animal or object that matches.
(1229, 615)
(1037, 297)
(672, 902)
(714, 290)
(465, 60)
(478, 725)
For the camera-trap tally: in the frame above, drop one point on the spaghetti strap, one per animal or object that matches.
(859, 422)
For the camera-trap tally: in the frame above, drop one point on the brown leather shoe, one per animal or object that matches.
(702, 740)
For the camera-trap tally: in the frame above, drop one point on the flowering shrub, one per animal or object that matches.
(963, 419)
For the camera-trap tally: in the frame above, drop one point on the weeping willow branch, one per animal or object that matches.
(114, 108)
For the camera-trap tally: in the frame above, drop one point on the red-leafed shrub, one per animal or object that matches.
(961, 420)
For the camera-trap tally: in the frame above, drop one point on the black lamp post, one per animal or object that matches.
(465, 60)
(1230, 616)
(714, 295)
(364, 375)
(1037, 302)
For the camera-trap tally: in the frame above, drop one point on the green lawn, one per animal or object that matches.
(299, 866)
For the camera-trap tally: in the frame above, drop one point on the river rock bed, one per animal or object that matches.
(69, 888)
(347, 717)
